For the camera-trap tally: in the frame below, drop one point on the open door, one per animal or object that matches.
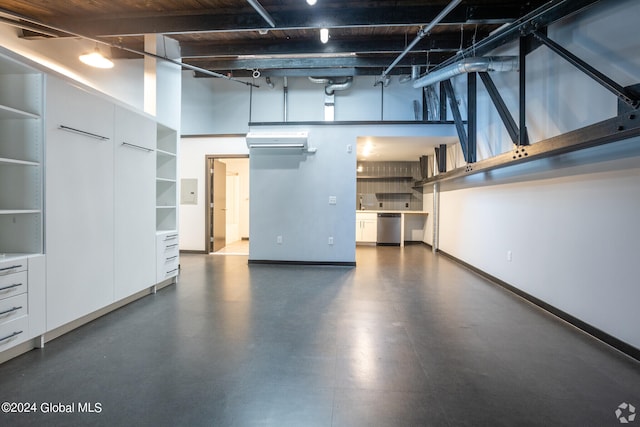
(218, 205)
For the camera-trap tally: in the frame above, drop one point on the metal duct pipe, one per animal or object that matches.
(331, 85)
(469, 65)
(320, 81)
(415, 73)
(329, 89)
(261, 10)
(421, 34)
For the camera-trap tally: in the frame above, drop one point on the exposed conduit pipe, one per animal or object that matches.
(469, 65)
(423, 32)
(262, 11)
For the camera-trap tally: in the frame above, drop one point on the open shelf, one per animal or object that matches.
(21, 154)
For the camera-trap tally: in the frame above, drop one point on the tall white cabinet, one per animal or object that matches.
(88, 204)
(79, 201)
(135, 257)
(109, 190)
(167, 261)
(22, 264)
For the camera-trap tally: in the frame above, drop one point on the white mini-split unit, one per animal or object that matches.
(279, 140)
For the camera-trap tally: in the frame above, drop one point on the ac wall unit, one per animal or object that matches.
(277, 140)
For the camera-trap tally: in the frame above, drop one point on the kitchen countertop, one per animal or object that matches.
(392, 211)
(403, 213)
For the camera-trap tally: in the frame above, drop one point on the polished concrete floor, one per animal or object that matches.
(407, 338)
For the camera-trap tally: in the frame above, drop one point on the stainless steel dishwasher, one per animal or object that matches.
(388, 229)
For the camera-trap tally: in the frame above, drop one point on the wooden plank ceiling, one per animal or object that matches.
(230, 36)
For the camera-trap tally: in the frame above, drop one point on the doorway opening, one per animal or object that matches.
(227, 207)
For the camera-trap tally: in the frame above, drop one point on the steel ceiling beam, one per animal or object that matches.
(332, 15)
(274, 46)
(616, 129)
(372, 62)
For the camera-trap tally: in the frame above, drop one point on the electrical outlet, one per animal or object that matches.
(279, 240)
(331, 240)
(509, 256)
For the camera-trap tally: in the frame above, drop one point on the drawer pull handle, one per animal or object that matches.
(10, 287)
(139, 147)
(8, 337)
(11, 268)
(171, 246)
(172, 271)
(11, 310)
(171, 258)
(82, 132)
(172, 237)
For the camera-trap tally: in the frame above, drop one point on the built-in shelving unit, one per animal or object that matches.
(166, 179)
(21, 153)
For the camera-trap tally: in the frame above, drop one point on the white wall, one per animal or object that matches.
(570, 222)
(219, 106)
(192, 165)
(123, 82)
(290, 193)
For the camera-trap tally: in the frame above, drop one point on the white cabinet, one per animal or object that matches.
(135, 230)
(366, 227)
(79, 202)
(167, 256)
(22, 296)
(21, 151)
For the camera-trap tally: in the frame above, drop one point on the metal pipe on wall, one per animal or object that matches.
(285, 89)
(436, 217)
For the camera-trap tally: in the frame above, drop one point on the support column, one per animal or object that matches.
(436, 217)
(150, 75)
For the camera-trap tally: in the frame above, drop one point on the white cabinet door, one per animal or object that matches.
(135, 224)
(79, 202)
(370, 230)
(366, 227)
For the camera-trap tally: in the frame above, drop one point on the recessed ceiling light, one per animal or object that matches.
(311, 2)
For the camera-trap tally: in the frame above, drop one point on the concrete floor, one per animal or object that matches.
(407, 338)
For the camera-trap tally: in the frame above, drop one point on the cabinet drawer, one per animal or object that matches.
(13, 284)
(13, 308)
(13, 332)
(170, 267)
(12, 266)
(169, 250)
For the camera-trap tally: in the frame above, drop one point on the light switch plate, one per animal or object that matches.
(332, 200)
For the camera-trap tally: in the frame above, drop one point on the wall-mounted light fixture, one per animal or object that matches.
(96, 59)
(324, 35)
